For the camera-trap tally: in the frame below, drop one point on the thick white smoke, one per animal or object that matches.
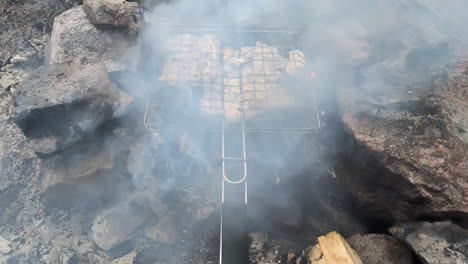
(347, 43)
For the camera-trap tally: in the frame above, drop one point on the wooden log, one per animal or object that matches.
(333, 249)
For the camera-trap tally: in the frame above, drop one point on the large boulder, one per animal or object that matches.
(411, 143)
(435, 243)
(59, 104)
(380, 249)
(75, 38)
(80, 164)
(107, 12)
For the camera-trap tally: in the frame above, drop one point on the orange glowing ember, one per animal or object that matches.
(312, 74)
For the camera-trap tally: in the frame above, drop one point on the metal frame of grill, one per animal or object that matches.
(282, 40)
(278, 37)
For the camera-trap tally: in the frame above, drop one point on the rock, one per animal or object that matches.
(380, 249)
(93, 258)
(150, 4)
(90, 174)
(435, 243)
(45, 146)
(140, 161)
(61, 103)
(167, 229)
(149, 200)
(18, 67)
(130, 258)
(78, 166)
(333, 249)
(4, 246)
(23, 38)
(201, 212)
(107, 12)
(116, 225)
(75, 38)
(410, 145)
(135, 18)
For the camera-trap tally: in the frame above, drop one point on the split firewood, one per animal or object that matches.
(333, 249)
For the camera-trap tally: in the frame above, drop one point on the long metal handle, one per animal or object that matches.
(226, 179)
(233, 228)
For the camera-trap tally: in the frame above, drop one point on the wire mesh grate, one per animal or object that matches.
(233, 73)
(234, 77)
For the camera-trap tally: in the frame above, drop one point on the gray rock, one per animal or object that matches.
(140, 161)
(435, 243)
(107, 12)
(167, 229)
(411, 140)
(4, 246)
(148, 199)
(380, 249)
(130, 258)
(23, 40)
(80, 164)
(65, 102)
(116, 225)
(45, 146)
(75, 38)
(135, 18)
(150, 4)
(94, 258)
(202, 211)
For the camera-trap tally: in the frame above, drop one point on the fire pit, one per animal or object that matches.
(232, 82)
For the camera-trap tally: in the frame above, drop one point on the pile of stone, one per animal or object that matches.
(78, 36)
(49, 117)
(60, 103)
